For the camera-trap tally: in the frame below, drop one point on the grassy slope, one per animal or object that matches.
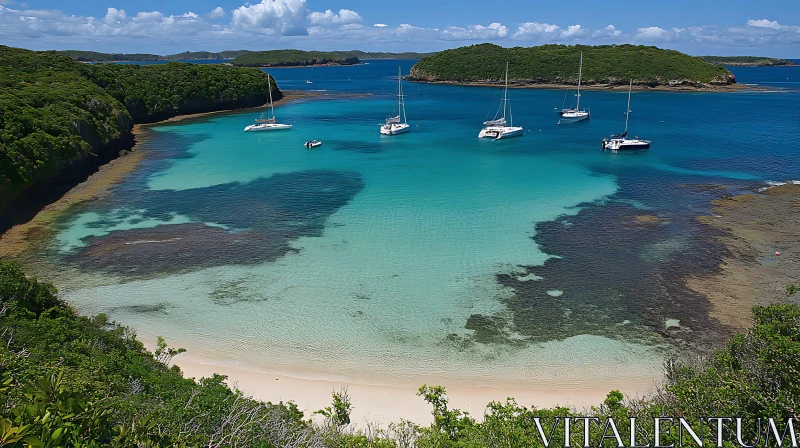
(558, 64)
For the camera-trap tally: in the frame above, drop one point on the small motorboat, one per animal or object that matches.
(312, 144)
(308, 81)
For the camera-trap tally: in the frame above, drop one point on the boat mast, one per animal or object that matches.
(580, 72)
(272, 108)
(400, 103)
(505, 93)
(628, 110)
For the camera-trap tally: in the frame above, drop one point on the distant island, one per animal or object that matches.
(290, 55)
(299, 58)
(93, 56)
(748, 61)
(63, 119)
(606, 66)
(294, 58)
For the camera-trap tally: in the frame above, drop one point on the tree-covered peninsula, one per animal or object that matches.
(61, 118)
(606, 65)
(70, 380)
(748, 61)
(294, 58)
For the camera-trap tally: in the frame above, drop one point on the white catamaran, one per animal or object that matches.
(621, 142)
(266, 121)
(575, 115)
(393, 125)
(496, 128)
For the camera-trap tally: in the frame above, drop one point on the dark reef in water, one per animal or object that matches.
(619, 271)
(234, 223)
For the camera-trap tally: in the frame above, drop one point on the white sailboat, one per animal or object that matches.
(496, 128)
(621, 142)
(393, 125)
(267, 121)
(575, 115)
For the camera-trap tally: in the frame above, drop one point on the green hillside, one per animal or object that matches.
(56, 112)
(558, 64)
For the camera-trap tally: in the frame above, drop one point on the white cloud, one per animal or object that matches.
(115, 16)
(573, 31)
(290, 24)
(217, 13)
(764, 23)
(147, 16)
(284, 17)
(476, 32)
(327, 18)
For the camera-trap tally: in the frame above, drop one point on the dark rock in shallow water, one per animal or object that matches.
(602, 281)
(235, 223)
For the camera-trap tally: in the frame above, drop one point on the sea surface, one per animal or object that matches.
(431, 255)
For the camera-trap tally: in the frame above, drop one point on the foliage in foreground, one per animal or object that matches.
(67, 380)
(558, 64)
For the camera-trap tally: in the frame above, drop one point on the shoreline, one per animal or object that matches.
(759, 231)
(384, 404)
(606, 87)
(18, 238)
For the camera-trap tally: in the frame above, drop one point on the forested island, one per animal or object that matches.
(69, 380)
(61, 119)
(94, 56)
(294, 58)
(283, 56)
(557, 65)
(748, 61)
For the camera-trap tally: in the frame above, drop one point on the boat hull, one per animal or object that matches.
(395, 128)
(625, 145)
(573, 117)
(267, 127)
(501, 132)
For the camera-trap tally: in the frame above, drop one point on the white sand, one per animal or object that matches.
(384, 404)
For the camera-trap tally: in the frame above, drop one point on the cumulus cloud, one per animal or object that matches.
(327, 18)
(217, 13)
(290, 23)
(284, 17)
(609, 31)
(764, 23)
(476, 32)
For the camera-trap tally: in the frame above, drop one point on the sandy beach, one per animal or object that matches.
(384, 404)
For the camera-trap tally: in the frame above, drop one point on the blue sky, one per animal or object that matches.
(768, 27)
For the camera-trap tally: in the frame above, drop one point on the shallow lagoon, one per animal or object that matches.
(365, 259)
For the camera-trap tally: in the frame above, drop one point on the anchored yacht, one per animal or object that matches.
(267, 121)
(621, 142)
(496, 128)
(575, 115)
(393, 125)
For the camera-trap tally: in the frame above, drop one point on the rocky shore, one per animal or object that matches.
(673, 86)
(760, 234)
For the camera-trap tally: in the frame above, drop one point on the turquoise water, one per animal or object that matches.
(414, 257)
